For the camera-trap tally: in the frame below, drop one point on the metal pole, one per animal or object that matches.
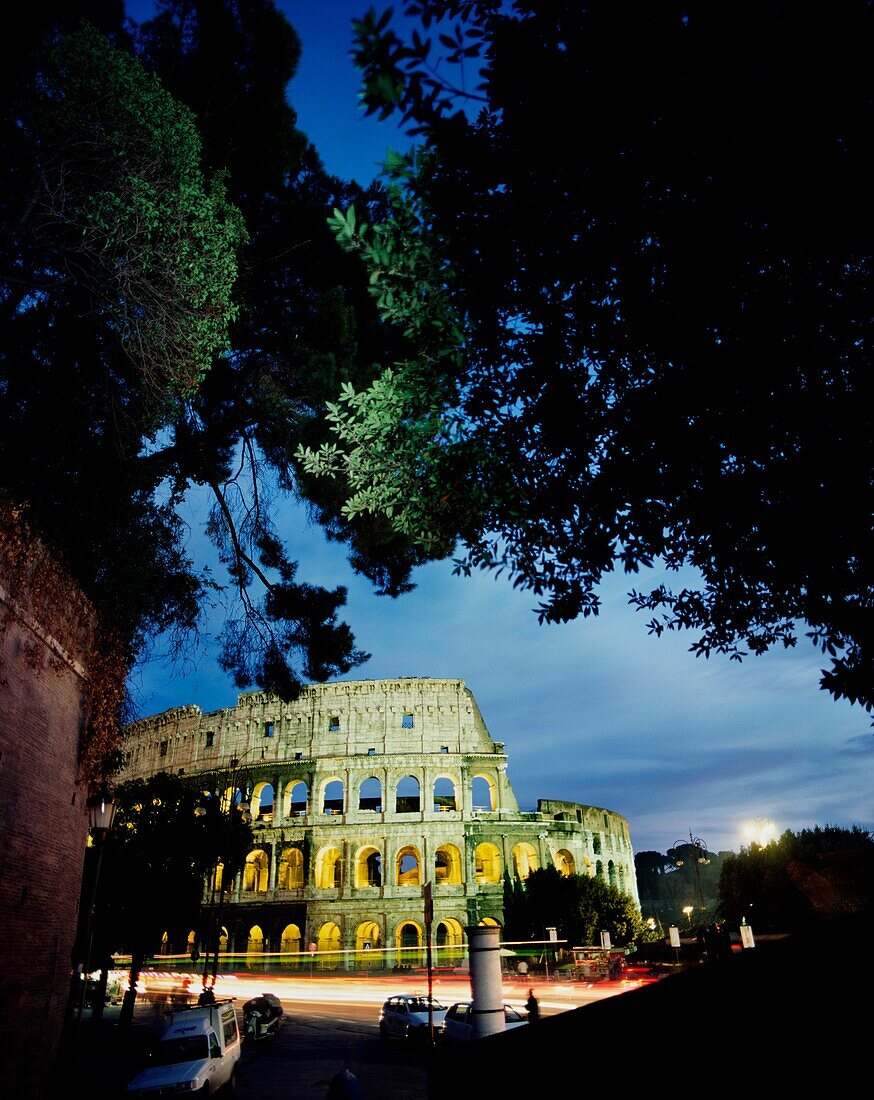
(89, 939)
(429, 919)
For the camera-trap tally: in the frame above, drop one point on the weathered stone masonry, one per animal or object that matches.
(44, 824)
(360, 793)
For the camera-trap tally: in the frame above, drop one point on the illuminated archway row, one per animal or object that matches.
(408, 935)
(407, 870)
(331, 796)
(448, 867)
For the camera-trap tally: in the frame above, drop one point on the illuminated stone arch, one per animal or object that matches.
(588, 867)
(289, 942)
(368, 936)
(255, 941)
(408, 934)
(483, 793)
(256, 872)
(295, 799)
(332, 797)
(231, 796)
(408, 866)
(329, 869)
(449, 933)
(165, 945)
(368, 867)
(599, 869)
(490, 922)
(328, 944)
(445, 798)
(447, 866)
(611, 873)
(487, 863)
(370, 795)
(261, 802)
(290, 873)
(408, 796)
(218, 875)
(223, 940)
(525, 859)
(192, 942)
(564, 862)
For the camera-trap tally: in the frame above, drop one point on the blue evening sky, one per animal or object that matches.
(593, 711)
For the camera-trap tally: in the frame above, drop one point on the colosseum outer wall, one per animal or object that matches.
(360, 793)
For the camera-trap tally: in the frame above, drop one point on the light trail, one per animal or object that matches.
(324, 989)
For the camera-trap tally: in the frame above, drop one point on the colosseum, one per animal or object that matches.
(365, 798)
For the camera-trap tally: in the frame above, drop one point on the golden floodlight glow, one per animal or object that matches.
(760, 831)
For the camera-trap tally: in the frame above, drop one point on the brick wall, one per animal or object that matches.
(43, 831)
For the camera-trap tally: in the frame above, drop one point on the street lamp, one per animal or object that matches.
(698, 853)
(101, 813)
(234, 811)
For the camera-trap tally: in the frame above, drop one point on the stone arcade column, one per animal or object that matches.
(487, 1010)
(271, 874)
(278, 815)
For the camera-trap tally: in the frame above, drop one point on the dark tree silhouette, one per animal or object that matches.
(635, 251)
(174, 313)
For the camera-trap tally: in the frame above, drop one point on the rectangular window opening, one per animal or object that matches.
(333, 723)
(268, 729)
(210, 739)
(407, 722)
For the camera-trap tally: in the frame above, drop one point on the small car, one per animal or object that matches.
(406, 1016)
(458, 1026)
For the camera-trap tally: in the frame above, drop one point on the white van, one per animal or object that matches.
(198, 1053)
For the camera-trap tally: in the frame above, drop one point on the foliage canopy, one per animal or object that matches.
(155, 861)
(174, 311)
(157, 856)
(579, 907)
(802, 881)
(642, 239)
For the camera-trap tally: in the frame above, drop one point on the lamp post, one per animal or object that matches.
(101, 813)
(231, 813)
(698, 854)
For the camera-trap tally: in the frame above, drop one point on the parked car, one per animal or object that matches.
(198, 1053)
(407, 1016)
(458, 1023)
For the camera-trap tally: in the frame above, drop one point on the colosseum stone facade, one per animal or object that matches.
(361, 793)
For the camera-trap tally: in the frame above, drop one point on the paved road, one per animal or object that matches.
(315, 1042)
(319, 1037)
